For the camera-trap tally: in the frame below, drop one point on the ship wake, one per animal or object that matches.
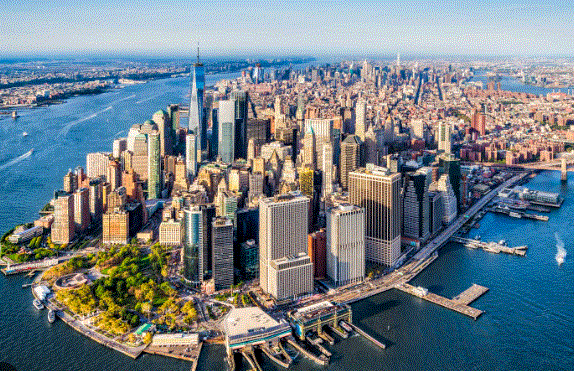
(17, 160)
(560, 250)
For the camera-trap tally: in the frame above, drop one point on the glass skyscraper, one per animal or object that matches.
(196, 120)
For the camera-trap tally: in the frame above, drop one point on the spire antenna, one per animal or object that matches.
(198, 52)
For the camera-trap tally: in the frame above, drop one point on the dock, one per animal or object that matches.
(367, 336)
(322, 360)
(458, 304)
(492, 247)
(518, 214)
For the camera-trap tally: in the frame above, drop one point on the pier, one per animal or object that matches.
(367, 336)
(492, 247)
(518, 214)
(458, 304)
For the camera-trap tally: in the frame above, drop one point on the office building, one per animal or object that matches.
(283, 225)
(444, 137)
(351, 150)
(241, 99)
(70, 182)
(115, 226)
(449, 201)
(436, 212)
(377, 190)
(416, 204)
(96, 201)
(97, 164)
(249, 260)
(317, 250)
(226, 118)
(451, 166)
(191, 145)
(197, 122)
(222, 253)
(346, 244)
(154, 184)
(171, 232)
(120, 145)
(161, 119)
(63, 228)
(81, 209)
(361, 119)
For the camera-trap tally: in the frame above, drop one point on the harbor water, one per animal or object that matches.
(528, 324)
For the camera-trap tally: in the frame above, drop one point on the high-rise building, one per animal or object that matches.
(116, 226)
(346, 244)
(70, 182)
(180, 182)
(81, 209)
(309, 149)
(97, 164)
(436, 212)
(96, 201)
(196, 120)
(317, 250)
(449, 202)
(361, 119)
(171, 232)
(191, 156)
(307, 181)
(241, 99)
(161, 119)
(351, 150)
(444, 137)
(327, 183)
(226, 118)
(249, 260)
(222, 256)
(114, 174)
(154, 184)
(377, 190)
(416, 204)
(119, 146)
(285, 269)
(63, 228)
(323, 131)
(451, 166)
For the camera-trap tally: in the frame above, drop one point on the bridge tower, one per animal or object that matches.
(563, 172)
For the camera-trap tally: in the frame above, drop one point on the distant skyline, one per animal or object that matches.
(269, 28)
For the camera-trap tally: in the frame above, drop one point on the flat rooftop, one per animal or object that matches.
(242, 321)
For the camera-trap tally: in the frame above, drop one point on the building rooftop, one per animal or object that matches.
(241, 321)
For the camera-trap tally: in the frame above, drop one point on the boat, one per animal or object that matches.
(15, 115)
(38, 304)
(51, 316)
(345, 326)
(24, 134)
(477, 237)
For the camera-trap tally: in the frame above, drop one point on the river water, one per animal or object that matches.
(528, 324)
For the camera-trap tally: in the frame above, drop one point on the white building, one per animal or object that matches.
(448, 198)
(346, 244)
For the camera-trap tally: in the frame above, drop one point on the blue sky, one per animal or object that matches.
(314, 27)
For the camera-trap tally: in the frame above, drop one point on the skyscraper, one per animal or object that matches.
(350, 158)
(81, 209)
(241, 99)
(222, 257)
(196, 120)
(226, 118)
(444, 137)
(416, 204)
(161, 119)
(327, 184)
(63, 230)
(377, 190)
(346, 244)
(285, 269)
(154, 166)
(361, 119)
(448, 198)
(191, 156)
(323, 131)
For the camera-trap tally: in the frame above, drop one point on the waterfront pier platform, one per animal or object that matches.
(359, 331)
(492, 247)
(458, 304)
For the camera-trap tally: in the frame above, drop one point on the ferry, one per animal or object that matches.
(51, 316)
(38, 304)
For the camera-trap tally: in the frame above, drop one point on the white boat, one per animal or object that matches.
(24, 134)
(38, 304)
(51, 316)
(345, 326)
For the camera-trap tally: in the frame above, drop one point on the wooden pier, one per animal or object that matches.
(492, 247)
(458, 304)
